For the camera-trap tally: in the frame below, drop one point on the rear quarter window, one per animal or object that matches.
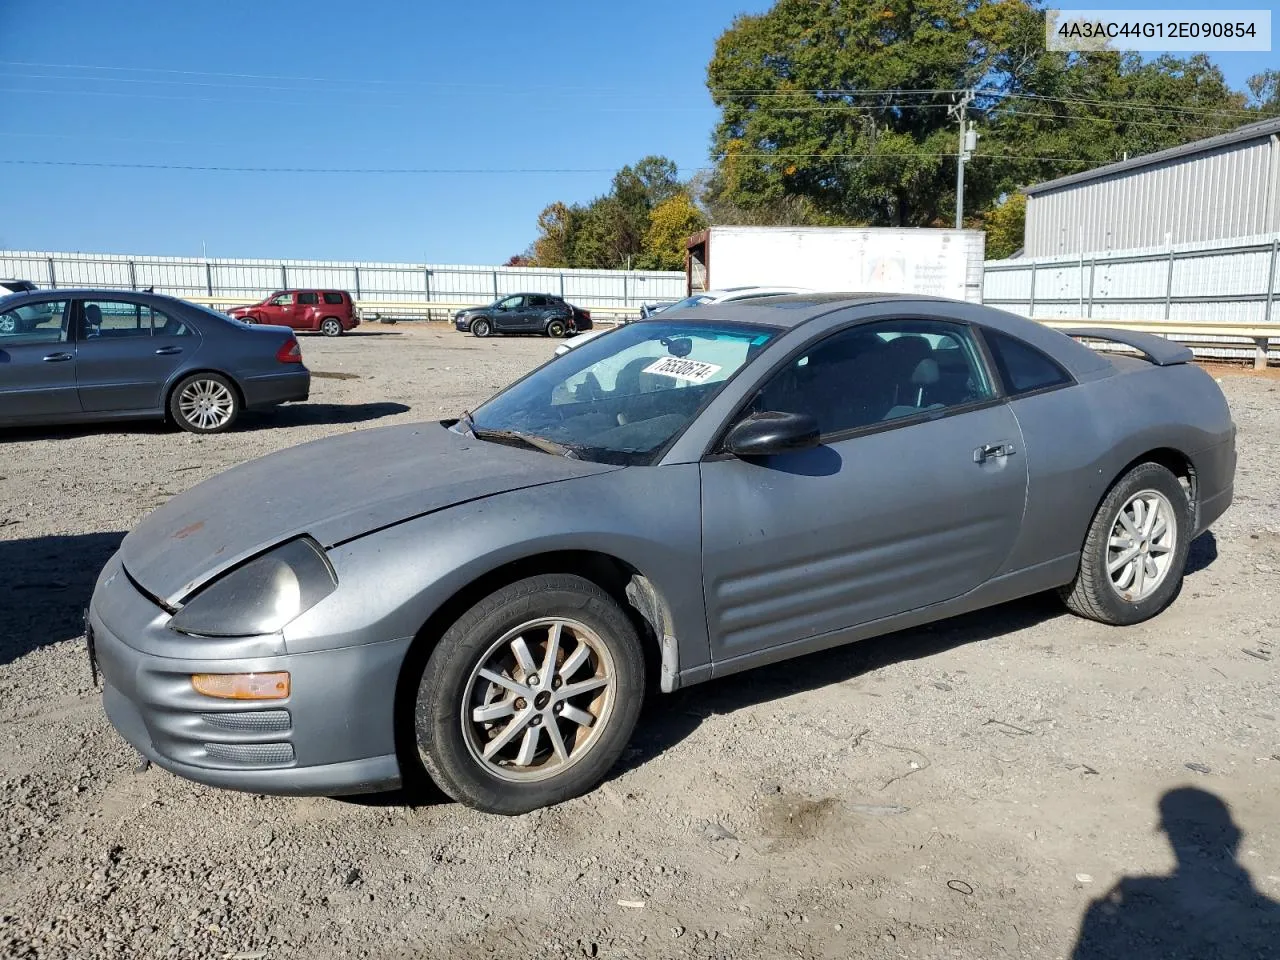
(334, 298)
(1022, 367)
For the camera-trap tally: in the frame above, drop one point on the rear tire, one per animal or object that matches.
(331, 327)
(204, 403)
(1135, 552)
(480, 328)
(532, 739)
(556, 328)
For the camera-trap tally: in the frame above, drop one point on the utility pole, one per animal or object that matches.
(967, 144)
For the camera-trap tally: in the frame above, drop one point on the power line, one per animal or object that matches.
(1128, 105)
(209, 168)
(444, 171)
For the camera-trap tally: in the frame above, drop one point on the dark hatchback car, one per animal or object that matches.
(524, 313)
(78, 355)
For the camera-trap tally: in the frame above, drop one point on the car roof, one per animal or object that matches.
(68, 293)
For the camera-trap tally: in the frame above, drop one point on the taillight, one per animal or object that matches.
(289, 352)
(586, 314)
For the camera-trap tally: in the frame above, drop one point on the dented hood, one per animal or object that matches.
(334, 490)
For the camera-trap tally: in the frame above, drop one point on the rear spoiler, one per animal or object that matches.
(1158, 350)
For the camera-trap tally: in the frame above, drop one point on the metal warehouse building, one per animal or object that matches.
(1221, 188)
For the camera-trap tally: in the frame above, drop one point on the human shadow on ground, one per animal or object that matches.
(46, 585)
(1206, 909)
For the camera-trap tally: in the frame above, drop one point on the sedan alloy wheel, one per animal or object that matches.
(204, 403)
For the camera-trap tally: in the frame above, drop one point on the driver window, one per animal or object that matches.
(284, 300)
(511, 303)
(879, 372)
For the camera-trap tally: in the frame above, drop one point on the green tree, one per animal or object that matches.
(671, 223)
(1264, 90)
(844, 105)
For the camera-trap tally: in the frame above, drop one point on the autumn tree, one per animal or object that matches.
(1004, 225)
(671, 223)
(610, 232)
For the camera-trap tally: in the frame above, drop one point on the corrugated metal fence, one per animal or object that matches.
(1210, 282)
(409, 283)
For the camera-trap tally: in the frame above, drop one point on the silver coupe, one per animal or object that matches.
(486, 599)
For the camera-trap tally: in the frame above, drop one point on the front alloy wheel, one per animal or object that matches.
(480, 327)
(538, 698)
(530, 697)
(204, 403)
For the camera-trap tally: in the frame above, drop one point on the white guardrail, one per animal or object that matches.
(1213, 336)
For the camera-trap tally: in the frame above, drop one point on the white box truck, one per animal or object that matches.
(942, 263)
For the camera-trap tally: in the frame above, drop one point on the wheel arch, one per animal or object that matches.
(638, 596)
(1176, 462)
(1172, 459)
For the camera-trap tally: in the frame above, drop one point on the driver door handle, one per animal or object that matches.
(57, 357)
(168, 351)
(989, 451)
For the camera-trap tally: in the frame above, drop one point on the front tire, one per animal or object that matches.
(204, 403)
(1135, 552)
(530, 697)
(331, 327)
(480, 328)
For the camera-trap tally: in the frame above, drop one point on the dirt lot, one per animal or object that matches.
(965, 790)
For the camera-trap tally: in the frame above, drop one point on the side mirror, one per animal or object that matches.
(768, 433)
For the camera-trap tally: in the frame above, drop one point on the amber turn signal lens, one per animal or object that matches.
(242, 686)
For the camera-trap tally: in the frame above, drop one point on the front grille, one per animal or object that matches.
(258, 721)
(251, 754)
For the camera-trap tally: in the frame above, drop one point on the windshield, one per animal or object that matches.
(697, 300)
(624, 397)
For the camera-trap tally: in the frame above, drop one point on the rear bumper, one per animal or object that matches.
(351, 323)
(273, 389)
(333, 734)
(1216, 476)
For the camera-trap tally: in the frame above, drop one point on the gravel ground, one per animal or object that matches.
(964, 790)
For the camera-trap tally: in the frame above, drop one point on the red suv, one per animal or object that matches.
(329, 311)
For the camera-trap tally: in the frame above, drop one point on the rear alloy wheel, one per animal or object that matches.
(1136, 550)
(331, 327)
(204, 403)
(556, 328)
(480, 328)
(8, 323)
(530, 697)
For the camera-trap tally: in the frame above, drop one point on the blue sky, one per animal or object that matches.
(583, 86)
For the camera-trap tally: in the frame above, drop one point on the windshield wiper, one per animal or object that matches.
(528, 439)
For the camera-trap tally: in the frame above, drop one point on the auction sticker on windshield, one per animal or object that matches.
(694, 371)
